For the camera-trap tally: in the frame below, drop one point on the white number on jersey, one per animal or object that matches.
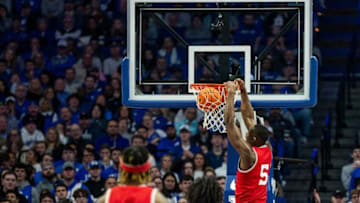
(263, 174)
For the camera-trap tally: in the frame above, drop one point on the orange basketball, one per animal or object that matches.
(208, 99)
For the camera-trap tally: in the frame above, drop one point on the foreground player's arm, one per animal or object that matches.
(234, 133)
(247, 111)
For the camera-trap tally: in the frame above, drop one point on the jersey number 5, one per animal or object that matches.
(263, 174)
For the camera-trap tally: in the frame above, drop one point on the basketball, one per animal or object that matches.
(208, 99)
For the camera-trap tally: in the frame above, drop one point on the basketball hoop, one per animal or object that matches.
(213, 115)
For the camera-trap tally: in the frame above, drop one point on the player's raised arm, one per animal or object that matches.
(247, 111)
(234, 133)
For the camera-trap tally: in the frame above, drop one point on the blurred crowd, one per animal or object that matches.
(62, 124)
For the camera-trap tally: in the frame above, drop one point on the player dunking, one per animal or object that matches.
(255, 153)
(134, 174)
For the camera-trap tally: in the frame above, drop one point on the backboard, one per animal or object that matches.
(267, 43)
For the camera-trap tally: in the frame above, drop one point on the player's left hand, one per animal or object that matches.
(231, 86)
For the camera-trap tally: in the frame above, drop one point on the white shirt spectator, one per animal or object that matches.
(29, 139)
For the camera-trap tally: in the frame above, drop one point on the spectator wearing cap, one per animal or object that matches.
(96, 184)
(186, 149)
(29, 132)
(61, 61)
(49, 177)
(23, 184)
(112, 138)
(112, 63)
(169, 142)
(21, 102)
(190, 120)
(71, 85)
(33, 112)
(68, 178)
(215, 156)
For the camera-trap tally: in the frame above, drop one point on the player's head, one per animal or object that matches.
(135, 166)
(257, 135)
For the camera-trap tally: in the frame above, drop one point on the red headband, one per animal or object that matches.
(135, 169)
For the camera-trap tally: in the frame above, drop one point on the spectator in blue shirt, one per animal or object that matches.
(21, 102)
(61, 61)
(46, 35)
(61, 95)
(186, 149)
(249, 32)
(112, 138)
(68, 175)
(68, 155)
(114, 169)
(16, 33)
(169, 142)
(215, 156)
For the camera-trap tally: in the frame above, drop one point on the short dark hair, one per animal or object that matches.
(260, 131)
(60, 185)
(186, 178)
(80, 193)
(205, 190)
(139, 137)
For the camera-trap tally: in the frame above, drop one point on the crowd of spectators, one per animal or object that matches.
(62, 124)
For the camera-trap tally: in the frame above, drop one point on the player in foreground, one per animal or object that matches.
(255, 152)
(133, 176)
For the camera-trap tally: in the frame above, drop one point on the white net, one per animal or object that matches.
(213, 106)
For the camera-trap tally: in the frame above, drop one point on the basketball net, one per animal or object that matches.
(213, 114)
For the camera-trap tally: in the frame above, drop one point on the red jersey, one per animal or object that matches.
(130, 194)
(251, 184)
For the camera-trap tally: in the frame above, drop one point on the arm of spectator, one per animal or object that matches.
(34, 195)
(345, 177)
